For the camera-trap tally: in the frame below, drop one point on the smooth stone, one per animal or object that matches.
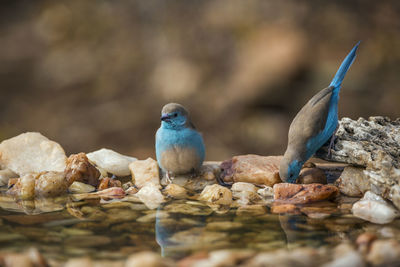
(353, 182)
(210, 170)
(226, 257)
(107, 182)
(24, 187)
(188, 209)
(148, 259)
(241, 186)
(252, 169)
(216, 194)
(79, 169)
(145, 172)
(111, 161)
(51, 184)
(246, 197)
(151, 196)
(31, 152)
(78, 187)
(175, 191)
(311, 176)
(345, 256)
(394, 195)
(384, 253)
(302, 194)
(375, 209)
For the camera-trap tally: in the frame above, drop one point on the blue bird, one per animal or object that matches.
(179, 146)
(314, 125)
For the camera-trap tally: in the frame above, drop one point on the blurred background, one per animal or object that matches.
(93, 74)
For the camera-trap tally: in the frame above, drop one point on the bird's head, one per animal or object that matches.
(174, 116)
(290, 167)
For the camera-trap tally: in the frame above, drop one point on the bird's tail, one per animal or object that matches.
(337, 80)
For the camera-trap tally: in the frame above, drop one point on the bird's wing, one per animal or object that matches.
(311, 119)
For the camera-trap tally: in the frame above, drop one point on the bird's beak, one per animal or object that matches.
(165, 117)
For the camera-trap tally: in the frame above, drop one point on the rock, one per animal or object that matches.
(245, 193)
(318, 212)
(241, 186)
(301, 194)
(51, 184)
(266, 192)
(210, 170)
(251, 210)
(45, 184)
(364, 242)
(145, 172)
(311, 176)
(31, 152)
(394, 195)
(345, 256)
(375, 209)
(353, 182)
(78, 187)
(216, 194)
(384, 253)
(6, 175)
(24, 187)
(175, 191)
(111, 161)
(252, 169)
(110, 193)
(301, 257)
(148, 259)
(79, 169)
(151, 196)
(107, 182)
(373, 144)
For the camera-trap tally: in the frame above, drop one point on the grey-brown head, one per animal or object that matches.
(175, 116)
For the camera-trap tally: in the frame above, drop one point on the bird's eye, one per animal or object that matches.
(175, 115)
(291, 175)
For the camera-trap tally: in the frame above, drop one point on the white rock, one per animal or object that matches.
(78, 187)
(242, 186)
(5, 175)
(216, 194)
(111, 161)
(375, 209)
(151, 196)
(145, 172)
(266, 192)
(31, 152)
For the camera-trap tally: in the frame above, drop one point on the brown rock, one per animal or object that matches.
(81, 170)
(353, 182)
(107, 182)
(216, 194)
(302, 194)
(311, 176)
(284, 208)
(252, 169)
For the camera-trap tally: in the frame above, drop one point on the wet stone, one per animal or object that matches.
(145, 172)
(311, 176)
(252, 169)
(353, 182)
(79, 169)
(111, 161)
(216, 194)
(302, 194)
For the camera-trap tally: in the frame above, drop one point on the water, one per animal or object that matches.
(102, 229)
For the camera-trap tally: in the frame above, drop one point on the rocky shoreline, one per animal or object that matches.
(35, 171)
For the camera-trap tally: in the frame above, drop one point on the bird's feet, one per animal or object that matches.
(169, 178)
(332, 144)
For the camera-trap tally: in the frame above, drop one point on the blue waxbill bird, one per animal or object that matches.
(179, 146)
(314, 125)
